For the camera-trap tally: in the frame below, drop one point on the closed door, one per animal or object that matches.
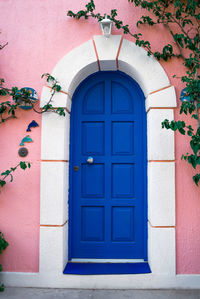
(108, 169)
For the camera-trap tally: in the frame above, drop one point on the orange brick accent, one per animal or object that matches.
(162, 161)
(173, 108)
(160, 89)
(95, 49)
(160, 226)
(50, 225)
(119, 52)
(54, 160)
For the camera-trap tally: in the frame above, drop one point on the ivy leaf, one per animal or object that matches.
(184, 157)
(2, 183)
(194, 146)
(192, 161)
(145, 20)
(70, 14)
(196, 179)
(23, 165)
(90, 6)
(58, 88)
(126, 29)
(113, 13)
(60, 111)
(11, 177)
(182, 131)
(7, 172)
(179, 38)
(195, 116)
(3, 243)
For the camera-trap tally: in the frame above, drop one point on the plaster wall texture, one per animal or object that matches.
(39, 34)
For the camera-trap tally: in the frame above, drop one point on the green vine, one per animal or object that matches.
(182, 20)
(8, 111)
(9, 172)
(3, 246)
(8, 108)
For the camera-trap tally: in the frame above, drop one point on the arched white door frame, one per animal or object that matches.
(104, 54)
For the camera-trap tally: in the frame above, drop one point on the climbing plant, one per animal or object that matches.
(181, 18)
(3, 246)
(8, 110)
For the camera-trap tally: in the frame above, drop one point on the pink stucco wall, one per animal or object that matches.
(39, 33)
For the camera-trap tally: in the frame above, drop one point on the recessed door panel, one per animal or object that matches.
(93, 138)
(122, 138)
(92, 180)
(123, 180)
(125, 232)
(93, 102)
(121, 99)
(92, 224)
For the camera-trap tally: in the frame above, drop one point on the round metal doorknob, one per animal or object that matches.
(90, 160)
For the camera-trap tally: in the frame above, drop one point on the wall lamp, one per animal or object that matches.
(106, 26)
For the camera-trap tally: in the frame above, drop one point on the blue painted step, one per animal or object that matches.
(106, 268)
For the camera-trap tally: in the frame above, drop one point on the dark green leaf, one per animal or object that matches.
(196, 179)
(23, 165)
(2, 183)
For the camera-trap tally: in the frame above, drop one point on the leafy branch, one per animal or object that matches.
(9, 172)
(89, 12)
(8, 111)
(3, 245)
(8, 108)
(3, 46)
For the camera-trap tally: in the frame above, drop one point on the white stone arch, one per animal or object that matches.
(113, 53)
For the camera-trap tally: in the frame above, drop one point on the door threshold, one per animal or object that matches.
(123, 261)
(86, 268)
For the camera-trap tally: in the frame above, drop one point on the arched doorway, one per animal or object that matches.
(160, 100)
(108, 165)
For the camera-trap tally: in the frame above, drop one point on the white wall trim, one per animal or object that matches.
(70, 71)
(146, 70)
(147, 281)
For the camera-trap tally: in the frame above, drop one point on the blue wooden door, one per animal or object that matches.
(108, 196)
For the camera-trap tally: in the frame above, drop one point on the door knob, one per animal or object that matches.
(90, 160)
